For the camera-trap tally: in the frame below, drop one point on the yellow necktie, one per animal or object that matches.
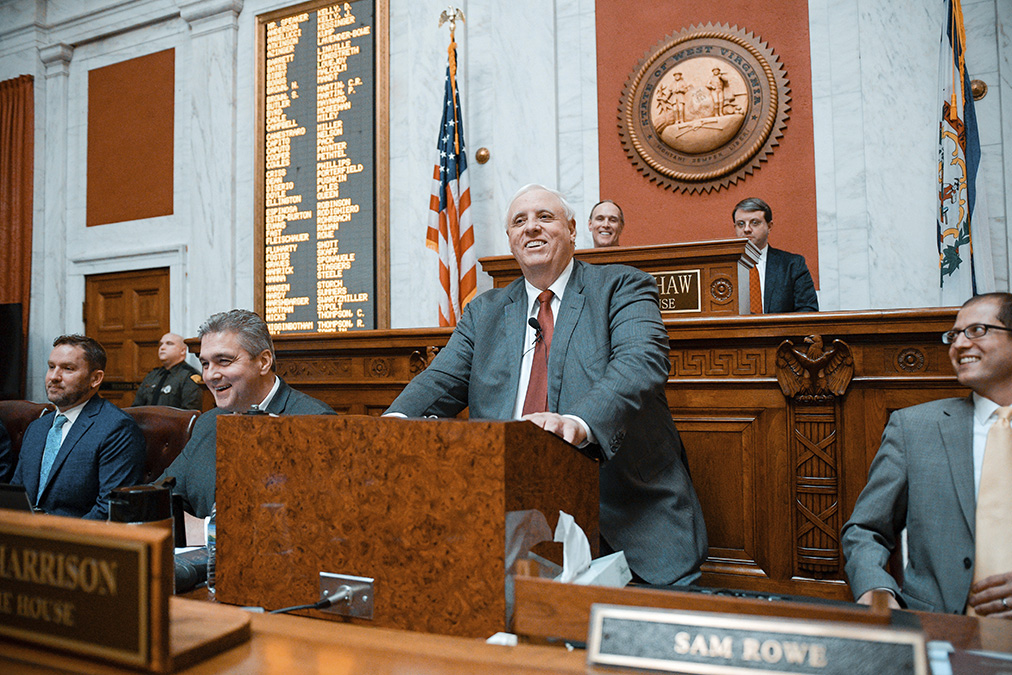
(755, 294)
(994, 501)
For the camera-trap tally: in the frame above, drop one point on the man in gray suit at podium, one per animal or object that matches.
(581, 351)
(925, 478)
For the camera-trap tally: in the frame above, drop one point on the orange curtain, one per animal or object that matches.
(17, 142)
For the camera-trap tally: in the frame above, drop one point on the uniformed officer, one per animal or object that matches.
(176, 383)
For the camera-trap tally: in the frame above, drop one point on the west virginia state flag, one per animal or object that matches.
(958, 160)
(450, 233)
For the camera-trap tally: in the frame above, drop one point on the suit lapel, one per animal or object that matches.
(570, 309)
(280, 400)
(772, 280)
(77, 431)
(956, 429)
(515, 324)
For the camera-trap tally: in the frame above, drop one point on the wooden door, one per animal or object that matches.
(128, 312)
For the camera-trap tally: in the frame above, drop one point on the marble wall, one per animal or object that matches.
(874, 81)
(527, 74)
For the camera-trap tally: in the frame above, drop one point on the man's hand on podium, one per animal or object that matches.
(865, 598)
(565, 427)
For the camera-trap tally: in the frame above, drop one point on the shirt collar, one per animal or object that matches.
(557, 287)
(270, 395)
(983, 408)
(73, 413)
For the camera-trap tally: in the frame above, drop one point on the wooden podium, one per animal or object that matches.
(418, 505)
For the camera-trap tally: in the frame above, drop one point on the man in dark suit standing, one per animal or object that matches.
(785, 282)
(237, 355)
(72, 458)
(930, 475)
(592, 372)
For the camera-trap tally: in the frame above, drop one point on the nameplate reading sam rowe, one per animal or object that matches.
(709, 643)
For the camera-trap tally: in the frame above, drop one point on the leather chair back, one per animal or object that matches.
(166, 430)
(16, 416)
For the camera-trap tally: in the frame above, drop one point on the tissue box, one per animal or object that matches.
(611, 570)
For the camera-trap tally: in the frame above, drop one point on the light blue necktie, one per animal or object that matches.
(53, 442)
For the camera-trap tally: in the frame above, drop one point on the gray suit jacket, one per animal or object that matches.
(608, 366)
(921, 479)
(788, 285)
(195, 467)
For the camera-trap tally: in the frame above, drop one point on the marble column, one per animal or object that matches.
(219, 246)
(49, 251)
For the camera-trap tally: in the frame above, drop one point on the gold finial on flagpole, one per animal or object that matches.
(451, 14)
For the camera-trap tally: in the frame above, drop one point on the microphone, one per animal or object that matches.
(533, 323)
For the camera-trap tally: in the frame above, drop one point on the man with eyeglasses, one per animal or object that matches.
(237, 356)
(933, 477)
(780, 281)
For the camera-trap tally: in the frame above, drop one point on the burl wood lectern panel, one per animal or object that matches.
(419, 505)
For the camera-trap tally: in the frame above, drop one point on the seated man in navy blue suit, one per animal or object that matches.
(785, 281)
(72, 458)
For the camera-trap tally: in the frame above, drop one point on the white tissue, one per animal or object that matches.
(575, 548)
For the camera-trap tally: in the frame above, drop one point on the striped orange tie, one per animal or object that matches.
(755, 294)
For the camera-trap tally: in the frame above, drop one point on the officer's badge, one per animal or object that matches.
(167, 389)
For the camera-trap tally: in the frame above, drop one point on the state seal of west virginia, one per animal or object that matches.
(703, 108)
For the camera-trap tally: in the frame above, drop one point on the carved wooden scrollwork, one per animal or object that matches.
(418, 361)
(718, 363)
(314, 369)
(720, 290)
(814, 374)
(812, 379)
(910, 360)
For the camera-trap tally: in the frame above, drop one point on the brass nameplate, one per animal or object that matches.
(83, 587)
(679, 291)
(699, 642)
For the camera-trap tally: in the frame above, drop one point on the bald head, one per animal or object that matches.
(171, 350)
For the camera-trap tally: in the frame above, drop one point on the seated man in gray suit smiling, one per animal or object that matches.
(942, 473)
(581, 351)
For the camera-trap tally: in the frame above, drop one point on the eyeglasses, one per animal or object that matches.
(972, 332)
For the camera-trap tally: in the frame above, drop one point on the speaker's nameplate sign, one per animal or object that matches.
(697, 642)
(679, 291)
(318, 103)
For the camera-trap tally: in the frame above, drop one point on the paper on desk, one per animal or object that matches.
(575, 548)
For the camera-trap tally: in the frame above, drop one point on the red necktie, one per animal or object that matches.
(755, 294)
(537, 387)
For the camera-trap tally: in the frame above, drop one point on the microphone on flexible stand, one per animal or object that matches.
(533, 323)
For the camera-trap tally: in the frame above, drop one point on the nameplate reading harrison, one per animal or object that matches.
(81, 592)
(697, 642)
(679, 291)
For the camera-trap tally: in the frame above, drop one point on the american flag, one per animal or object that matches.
(450, 233)
(958, 228)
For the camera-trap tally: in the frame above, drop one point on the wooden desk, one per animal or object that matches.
(290, 644)
(777, 475)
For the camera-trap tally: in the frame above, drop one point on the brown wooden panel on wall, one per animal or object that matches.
(777, 474)
(131, 112)
(655, 215)
(128, 312)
